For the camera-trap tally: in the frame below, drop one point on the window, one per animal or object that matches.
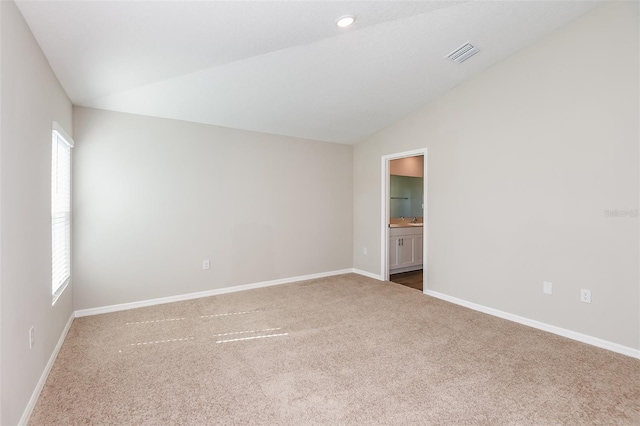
(60, 210)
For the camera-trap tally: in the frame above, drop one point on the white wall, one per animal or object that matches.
(31, 99)
(523, 161)
(155, 197)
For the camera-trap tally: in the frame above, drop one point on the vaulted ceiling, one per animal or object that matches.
(280, 67)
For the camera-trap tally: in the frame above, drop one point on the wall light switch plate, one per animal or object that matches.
(547, 287)
(585, 295)
(205, 264)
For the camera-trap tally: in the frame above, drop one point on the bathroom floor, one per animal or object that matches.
(411, 279)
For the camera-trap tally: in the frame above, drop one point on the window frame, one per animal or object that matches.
(61, 141)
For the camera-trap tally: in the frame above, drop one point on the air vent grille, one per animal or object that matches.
(462, 53)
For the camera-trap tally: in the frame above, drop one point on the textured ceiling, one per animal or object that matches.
(279, 67)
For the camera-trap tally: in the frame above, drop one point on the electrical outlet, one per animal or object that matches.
(585, 295)
(547, 287)
(31, 338)
(205, 264)
(364, 251)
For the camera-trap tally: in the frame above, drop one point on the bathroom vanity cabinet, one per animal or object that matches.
(405, 249)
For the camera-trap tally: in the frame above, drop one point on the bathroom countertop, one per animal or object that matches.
(406, 225)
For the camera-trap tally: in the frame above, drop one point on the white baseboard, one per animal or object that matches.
(207, 293)
(584, 338)
(367, 274)
(43, 378)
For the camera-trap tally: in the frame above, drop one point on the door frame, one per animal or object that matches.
(385, 212)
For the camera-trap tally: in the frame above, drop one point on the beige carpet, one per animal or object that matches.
(342, 350)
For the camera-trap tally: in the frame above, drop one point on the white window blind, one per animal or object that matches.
(60, 210)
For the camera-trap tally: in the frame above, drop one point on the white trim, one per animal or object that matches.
(43, 378)
(56, 127)
(384, 239)
(584, 338)
(60, 290)
(207, 293)
(367, 274)
(384, 207)
(425, 225)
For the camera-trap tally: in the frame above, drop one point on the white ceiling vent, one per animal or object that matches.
(462, 53)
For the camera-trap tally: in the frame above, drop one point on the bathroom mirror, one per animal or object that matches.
(407, 196)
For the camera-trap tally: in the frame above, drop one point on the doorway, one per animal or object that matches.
(404, 224)
(412, 279)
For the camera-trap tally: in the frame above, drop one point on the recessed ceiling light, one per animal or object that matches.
(345, 21)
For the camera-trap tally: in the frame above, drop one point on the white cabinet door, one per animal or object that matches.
(394, 248)
(418, 243)
(406, 251)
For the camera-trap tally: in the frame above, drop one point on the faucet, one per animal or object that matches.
(415, 220)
